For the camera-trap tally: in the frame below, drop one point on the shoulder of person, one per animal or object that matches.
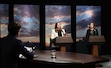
(53, 29)
(63, 29)
(96, 29)
(88, 29)
(18, 41)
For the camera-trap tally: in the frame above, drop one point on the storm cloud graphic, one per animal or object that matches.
(86, 14)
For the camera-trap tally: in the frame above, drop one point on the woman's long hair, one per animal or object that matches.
(57, 29)
(93, 25)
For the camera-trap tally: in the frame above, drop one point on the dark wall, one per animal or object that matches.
(105, 21)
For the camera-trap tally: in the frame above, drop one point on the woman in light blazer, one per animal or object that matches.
(56, 32)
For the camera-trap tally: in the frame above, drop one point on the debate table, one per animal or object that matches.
(63, 59)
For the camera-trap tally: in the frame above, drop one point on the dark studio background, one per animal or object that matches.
(105, 18)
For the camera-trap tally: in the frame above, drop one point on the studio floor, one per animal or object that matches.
(106, 64)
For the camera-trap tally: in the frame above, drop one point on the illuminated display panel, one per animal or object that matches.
(4, 19)
(28, 17)
(84, 15)
(57, 13)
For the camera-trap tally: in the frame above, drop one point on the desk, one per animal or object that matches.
(62, 41)
(65, 59)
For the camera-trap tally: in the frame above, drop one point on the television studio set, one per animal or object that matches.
(55, 33)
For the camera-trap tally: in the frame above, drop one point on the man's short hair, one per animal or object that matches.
(13, 28)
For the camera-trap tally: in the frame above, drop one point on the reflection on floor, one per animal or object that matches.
(106, 64)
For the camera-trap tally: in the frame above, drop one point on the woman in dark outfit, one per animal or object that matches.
(92, 31)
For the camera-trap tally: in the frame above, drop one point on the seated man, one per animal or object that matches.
(11, 47)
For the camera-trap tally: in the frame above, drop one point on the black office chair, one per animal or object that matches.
(30, 45)
(53, 45)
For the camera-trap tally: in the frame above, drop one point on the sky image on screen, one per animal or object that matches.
(54, 14)
(84, 15)
(4, 19)
(28, 17)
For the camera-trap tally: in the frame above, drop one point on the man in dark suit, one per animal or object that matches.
(11, 47)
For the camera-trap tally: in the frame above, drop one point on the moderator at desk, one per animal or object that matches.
(62, 60)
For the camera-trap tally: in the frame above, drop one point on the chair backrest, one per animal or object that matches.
(53, 45)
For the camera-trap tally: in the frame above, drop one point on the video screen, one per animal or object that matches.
(54, 14)
(84, 15)
(4, 19)
(28, 17)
